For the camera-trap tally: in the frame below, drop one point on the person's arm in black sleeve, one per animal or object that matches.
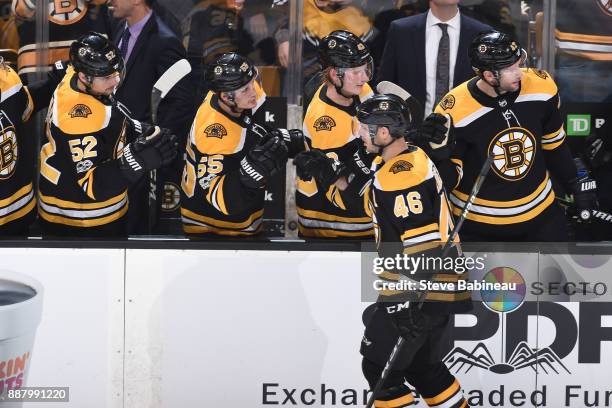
(233, 191)
(42, 91)
(555, 147)
(152, 150)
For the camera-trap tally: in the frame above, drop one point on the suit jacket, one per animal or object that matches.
(403, 60)
(155, 50)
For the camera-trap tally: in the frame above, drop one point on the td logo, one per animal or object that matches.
(578, 125)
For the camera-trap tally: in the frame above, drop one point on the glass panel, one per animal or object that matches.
(583, 40)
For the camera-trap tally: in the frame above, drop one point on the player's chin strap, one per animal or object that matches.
(373, 129)
(105, 99)
(232, 102)
(339, 89)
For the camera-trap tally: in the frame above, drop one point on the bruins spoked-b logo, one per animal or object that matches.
(8, 152)
(606, 6)
(66, 12)
(324, 123)
(401, 165)
(215, 130)
(79, 111)
(513, 151)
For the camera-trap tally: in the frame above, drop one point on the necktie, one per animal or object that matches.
(125, 40)
(442, 65)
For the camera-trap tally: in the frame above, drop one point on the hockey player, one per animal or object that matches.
(512, 113)
(67, 20)
(328, 205)
(85, 165)
(410, 208)
(229, 158)
(17, 148)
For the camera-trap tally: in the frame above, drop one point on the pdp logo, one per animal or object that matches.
(505, 323)
(522, 355)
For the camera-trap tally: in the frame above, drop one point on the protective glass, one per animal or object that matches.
(364, 70)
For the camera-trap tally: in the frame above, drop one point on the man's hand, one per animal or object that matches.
(263, 161)
(314, 163)
(155, 148)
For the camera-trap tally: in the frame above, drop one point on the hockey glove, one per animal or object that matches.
(314, 163)
(155, 148)
(436, 136)
(263, 161)
(585, 197)
(293, 138)
(596, 152)
(58, 71)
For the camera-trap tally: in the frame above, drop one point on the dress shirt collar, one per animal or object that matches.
(433, 20)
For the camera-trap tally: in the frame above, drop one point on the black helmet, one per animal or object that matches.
(343, 49)
(387, 110)
(229, 72)
(95, 55)
(493, 51)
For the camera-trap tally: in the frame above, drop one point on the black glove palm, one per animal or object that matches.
(315, 163)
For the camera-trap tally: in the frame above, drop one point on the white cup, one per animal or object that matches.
(20, 313)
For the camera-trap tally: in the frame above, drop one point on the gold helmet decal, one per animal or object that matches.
(482, 48)
(244, 67)
(218, 70)
(384, 105)
(360, 47)
(331, 44)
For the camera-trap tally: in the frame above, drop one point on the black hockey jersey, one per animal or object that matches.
(81, 186)
(213, 199)
(520, 129)
(584, 29)
(332, 213)
(410, 208)
(17, 156)
(68, 19)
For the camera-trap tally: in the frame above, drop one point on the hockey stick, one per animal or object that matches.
(416, 108)
(484, 171)
(160, 89)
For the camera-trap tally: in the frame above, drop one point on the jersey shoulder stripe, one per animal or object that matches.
(536, 85)
(10, 84)
(461, 106)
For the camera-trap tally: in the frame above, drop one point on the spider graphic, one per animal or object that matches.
(522, 356)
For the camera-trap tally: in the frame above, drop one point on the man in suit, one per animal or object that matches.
(427, 54)
(149, 48)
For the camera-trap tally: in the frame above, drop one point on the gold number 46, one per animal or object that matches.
(411, 203)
